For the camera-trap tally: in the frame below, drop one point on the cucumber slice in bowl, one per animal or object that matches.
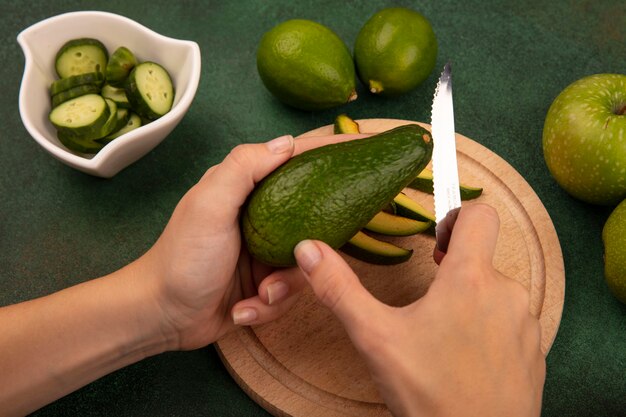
(78, 91)
(86, 142)
(118, 95)
(119, 66)
(81, 116)
(133, 122)
(150, 90)
(64, 84)
(80, 56)
(123, 116)
(111, 122)
(77, 144)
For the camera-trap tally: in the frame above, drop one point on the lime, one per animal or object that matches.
(306, 65)
(395, 51)
(614, 238)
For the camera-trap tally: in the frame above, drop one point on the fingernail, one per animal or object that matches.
(308, 255)
(243, 316)
(280, 144)
(276, 291)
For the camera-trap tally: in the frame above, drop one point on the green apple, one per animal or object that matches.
(614, 239)
(584, 139)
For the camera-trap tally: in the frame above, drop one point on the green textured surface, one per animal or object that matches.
(59, 227)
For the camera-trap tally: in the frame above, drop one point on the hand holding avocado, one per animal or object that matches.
(205, 275)
(446, 354)
(196, 283)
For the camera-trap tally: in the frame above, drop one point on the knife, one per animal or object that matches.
(445, 170)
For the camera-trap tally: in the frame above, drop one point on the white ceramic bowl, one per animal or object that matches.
(40, 43)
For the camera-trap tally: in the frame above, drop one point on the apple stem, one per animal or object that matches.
(622, 110)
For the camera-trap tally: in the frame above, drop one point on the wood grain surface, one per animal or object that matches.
(304, 364)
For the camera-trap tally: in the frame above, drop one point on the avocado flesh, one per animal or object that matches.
(344, 124)
(332, 192)
(424, 182)
(407, 207)
(368, 249)
(389, 224)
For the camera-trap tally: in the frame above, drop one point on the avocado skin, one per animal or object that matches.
(330, 193)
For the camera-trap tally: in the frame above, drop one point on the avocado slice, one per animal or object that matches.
(389, 224)
(424, 182)
(330, 193)
(410, 208)
(344, 124)
(374, 251)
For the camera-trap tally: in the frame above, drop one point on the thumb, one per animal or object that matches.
(475, 234)
(243, 167)
(336, 285)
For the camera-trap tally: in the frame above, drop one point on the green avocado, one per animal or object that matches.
(330, 193)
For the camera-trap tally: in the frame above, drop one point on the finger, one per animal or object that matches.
(444, 232)
(336, 285)
(306, 143)
(253, 310)
(276, 294)
(438, 255)
(244, 167)
(281, 284)
(474, 235)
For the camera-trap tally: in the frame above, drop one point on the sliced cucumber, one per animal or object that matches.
(111, 123)
(78, 144)
(118, 95)
(58, 86)
(123, 116)
(121, 62)
(121, 119)
(81, 116)
(134, 121)
(81, 56)
(88, 115)
(374, 251)
(78, 91)
(88, 143)
(150, 90)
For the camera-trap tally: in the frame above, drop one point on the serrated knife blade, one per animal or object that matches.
(444, 161)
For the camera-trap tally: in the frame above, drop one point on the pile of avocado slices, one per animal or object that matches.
(402, 217)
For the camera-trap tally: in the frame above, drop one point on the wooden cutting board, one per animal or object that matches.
(304, 364)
